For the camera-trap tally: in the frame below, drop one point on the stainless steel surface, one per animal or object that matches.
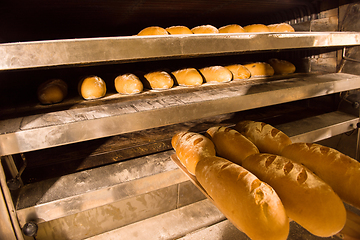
(320, 127)
(89, 51)
(75, 125)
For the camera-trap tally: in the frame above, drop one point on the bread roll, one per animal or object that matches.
(341, 172)
(92, 87)
(250, 204)
(216, 74)
(178, 30)
(239, 71)
(282, 67)
(256, 28)
(265, 137)
(260, 69)
(190, 147)
(158, 80)
(307, 199)
(52, 91)
(232, 28)
(153, 30)
(281, 27)
(230, 144)
(128, 84)
(204, 29)
(188, 77)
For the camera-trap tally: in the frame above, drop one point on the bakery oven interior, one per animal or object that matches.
(101, 169)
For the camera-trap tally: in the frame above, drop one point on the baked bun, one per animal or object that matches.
(128, 84)
(158, 80)
(341, 172)
(282, 67)
(256, 28)
(281, 27)
(204, 29)
(239, 71)
(154, 30)
(178, 30)
(230, 144)
(190, 147)
(92, 87)
(232, 28)
(260, 69)
(307, 199)
(52, 91)
(250, 204)
(188, 77)
(265, 137)
(216, 74)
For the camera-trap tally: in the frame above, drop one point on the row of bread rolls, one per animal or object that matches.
(210, 29)
(94, 87)
(310, 180)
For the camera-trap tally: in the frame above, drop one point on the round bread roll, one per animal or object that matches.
(282, 67)
(52, 91)
(92, 87)
(188, 77)
(204, 29)
(265, 137)
(260, 69)
(216, 74)
(154, 30)
(159, 80)
(281, 27)
(128, 84)
(256, 28)
(179, 30)
(250, 204)
(307, 199)
(239, 71)
(230, 144)
(232, 28)
(190, 147)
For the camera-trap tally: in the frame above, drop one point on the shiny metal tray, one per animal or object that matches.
(89, 51)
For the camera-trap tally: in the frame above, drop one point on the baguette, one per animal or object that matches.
(266, 138)
(341, 172)
(239, 71)
(216, 74)
(307, 199)
(260, 69)
(282, 67)
(230, 144)
(250, 204)
(158, 80)
(190, 147)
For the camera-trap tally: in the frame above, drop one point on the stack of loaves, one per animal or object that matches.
(260, 180)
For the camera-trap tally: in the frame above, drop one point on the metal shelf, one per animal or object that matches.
(180, 104)
(89, 51)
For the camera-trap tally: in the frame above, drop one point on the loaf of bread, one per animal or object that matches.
(204, 29)
(128, 84)
(173, 30)
(265, 137)
(190, 147)
(230, 144)
(158, 80)
(307, 199)
(232, 28)
(52, 91)
(153, 30)
(256, 28)
(188, 77)
(282, 67)
(280, 27)
(341, 172)
(216, 74)
(92, 87)
(260, 69)
(250, 204)
(239, 71)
